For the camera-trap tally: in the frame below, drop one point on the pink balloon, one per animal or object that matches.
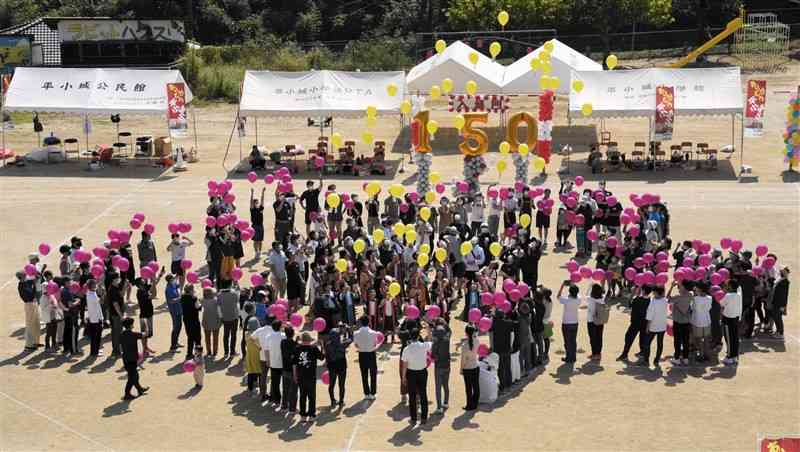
(269, 178)
(661, 279)
(172, 228)
(719, 295)
(135, 224)
(578, 181)
(575, 277)
(704, 260)
(484, 324)
(509, 284)
(440, 188)
(192, 277)
(379, 338)
(487, 299)
(319, 324)
(404, 208)
(463, 187)
(184, 228)
(757, 271)
(630, 273)
(625, 219)
(186, 264)
(523, 288)
(326, 377)
(761, 250)
(74, 288)
(206, 283)
(611, 201)
(296, 320)
(252, 177)
(612, 242)
(768, 263)
(123, 237)
(725, 243)
(591, 234)
(146, 272)
(585, 271)
(236, 273)
(736, 245)
(100, 252)
(724, 273)
(572, 266)
(634, 231)
(514, 294)
(189, 366)
(492, 193)
(648, 258)
(122, 264)
(504, 193)
(670, 330)
(149, 229)
(640, 279)
(599, 275)
(498, 298)
(412, 312)
(229, 198)
(212, 185)
(580, 219)
(211, 221)
(662, 266)
(474, 315)
(30, 269)
(434, 311)
(256, 279)
(97, 272)
(649, 277)
(483, 350)
(44, 249)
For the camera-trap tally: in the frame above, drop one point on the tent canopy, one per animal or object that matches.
(454, 64)
(709, 91)
(319, 93)
(520, 79)
(91, 91)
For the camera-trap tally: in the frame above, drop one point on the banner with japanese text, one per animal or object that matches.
(176, 110)
(492, 103)
(754, 110)
(665, 113)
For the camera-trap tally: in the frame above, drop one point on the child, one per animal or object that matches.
(440, 352)
(199, 367)
(144, 297)
(305, 376)
(252, 362)
(387, 308)
(246, 315)
(372, 309)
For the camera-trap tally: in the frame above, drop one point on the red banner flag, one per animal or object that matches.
(665, 113)
(780, 445)
(754, 112)
(176, 110)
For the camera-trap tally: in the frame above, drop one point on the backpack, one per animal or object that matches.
(601, 312)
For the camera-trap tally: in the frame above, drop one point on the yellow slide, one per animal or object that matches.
(731, 28)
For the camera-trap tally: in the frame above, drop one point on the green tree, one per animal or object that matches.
(482, 14)
(609, 16)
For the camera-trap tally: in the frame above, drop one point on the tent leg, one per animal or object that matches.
(741, 143)
(256, 121)
(194, 125)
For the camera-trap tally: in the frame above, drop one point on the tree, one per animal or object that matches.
(525, 14)
(609, 16)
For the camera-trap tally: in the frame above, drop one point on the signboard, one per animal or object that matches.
(121, 30)
(779, 445)
(14, 51)
(176, 110)
(491, 103)
(665, 113)
(754, 110)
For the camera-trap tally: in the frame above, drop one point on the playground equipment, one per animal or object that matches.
(762, 42)
(730, 29)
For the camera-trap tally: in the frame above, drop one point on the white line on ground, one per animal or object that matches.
(54, 421)
(105, 212)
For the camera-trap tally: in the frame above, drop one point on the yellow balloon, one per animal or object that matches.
(539, 163)
(425, 248)
(391, 89)
(440, 254)
(495, 248)
(405, 107)
(611, 61)
(504, 147)
(544, 82)
(471, 87)
(432, 127)
(399, 229)
(447, 85)
(397, 190)
(440, 46)
(459, 123)
(523, 149)
(367, 137)
(373, 188)
(577, 85)
(371, 121)
(341, 265)
(535, 64)
(394, 289)
(422, 259)
(501, 166)
(411, 236)
(549, 46)
(546, 67)
(425, 213)
(435, 92)
(359, 246)
(333, 200)
(371, 111)
(434, 177)
(494, 49)
(586, 109)
(473, 57)
(336, 139)
(544, 56)
(466, 248)
(502, 18)
(378, 235)
(524, 220)
(555, 82)
(430, 197)
(409, 227)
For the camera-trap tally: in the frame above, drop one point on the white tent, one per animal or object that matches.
(454, 64)
(319, 93)
(520, 79)
(91, 91)
(709, 91)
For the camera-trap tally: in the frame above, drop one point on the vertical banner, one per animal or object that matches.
(665, 113)
(5, 81)
(176, 110)
(754, 112)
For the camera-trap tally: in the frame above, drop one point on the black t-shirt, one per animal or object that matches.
(288, 350)
(257, 216)
(310, 199)
(129, 340)
(191, 313)
(306, 361)
(373, 208)
(283, 211)
(115, 298)
(639, 309)
(612, 215)
(145, 302)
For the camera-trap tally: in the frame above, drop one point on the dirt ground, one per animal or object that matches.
(47, 402)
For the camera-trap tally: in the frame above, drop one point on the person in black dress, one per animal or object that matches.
(191, 319)
(257, 221)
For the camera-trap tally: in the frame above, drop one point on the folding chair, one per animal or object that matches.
(686, 148)
(71, 146)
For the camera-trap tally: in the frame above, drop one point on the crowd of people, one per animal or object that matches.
(370, 274)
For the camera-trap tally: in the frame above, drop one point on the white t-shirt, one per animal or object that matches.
(476, 214)
(94, 312)
(701, 311)
(178, 251)
(261, 335)
(274, 346)
(591, 305)
(387, 309)
(731, 305)
(495, 208)
(570, 315)
(415, 355)
(657, 315)
(364, 339)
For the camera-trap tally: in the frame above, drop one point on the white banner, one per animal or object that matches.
(120, 30)
(78, 90)
(320, 93)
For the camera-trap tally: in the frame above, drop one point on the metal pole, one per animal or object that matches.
(3, 120)
(256, 121)
(194, 125)
(741, 143)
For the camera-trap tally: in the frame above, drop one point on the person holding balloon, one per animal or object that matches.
(305, 376)
(414, 374)
(190, 311)
(177, 248)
